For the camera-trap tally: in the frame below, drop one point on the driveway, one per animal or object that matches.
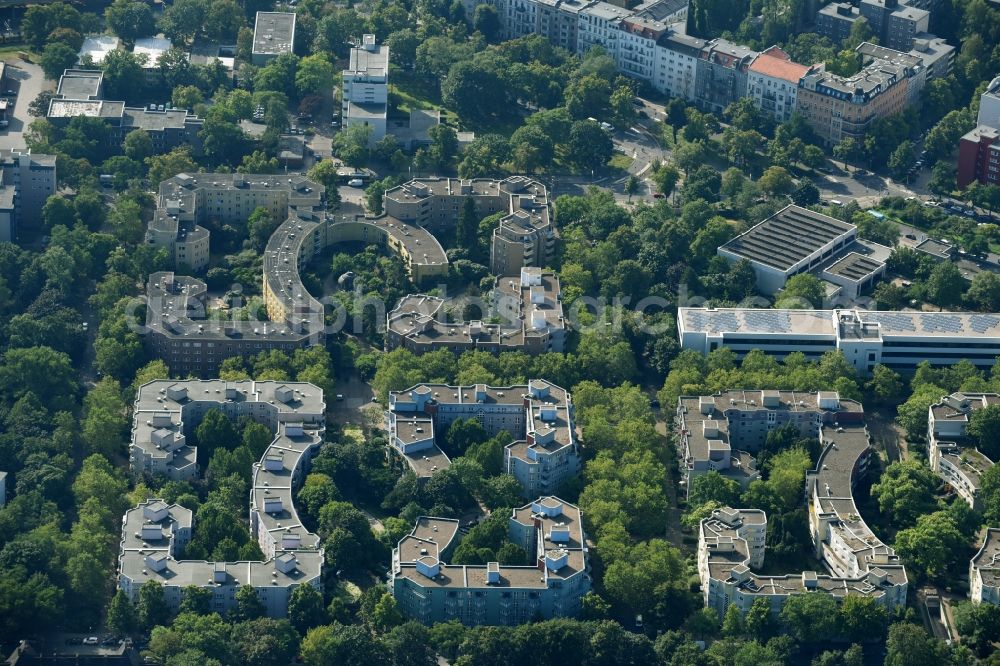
(27, 80)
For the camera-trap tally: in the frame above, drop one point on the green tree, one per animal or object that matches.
(978, 625)
(984, 426)
(215, 431)
(910, 645)
(386, 615)
(906, 491)
(713, 487)
(802, 291)
(886, 385)
(862, 618)
(56, 58)
(306, 609)
(732, 622)
(589, 147)
(344, 646)
(473, 91)
(487, 21)
(122, 617)
(314, 75)
(931, 546)
(902, 159)
(248, 605)
(760, 621)
(153, 609)
(775, 180)
(129, 20)
(196, 600)
(946, 285)
(810, 617)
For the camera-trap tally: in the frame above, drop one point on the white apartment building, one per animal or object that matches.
(989, 105)
(365, 91)
(636, 52)
(899, 340)
(166, 412)
(539, 415)
(154, 534)
(731, 545)
(599, 26)
(950, 453)
(984, 570)
(550, 530)
(675, 64)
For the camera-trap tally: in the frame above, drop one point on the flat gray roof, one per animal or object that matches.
(80, 84)
(273, 33)
(787, 237)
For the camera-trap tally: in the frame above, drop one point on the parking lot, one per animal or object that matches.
(26, 80)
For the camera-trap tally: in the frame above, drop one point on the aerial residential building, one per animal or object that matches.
(538, 415)
(429, 590)
(773, 81)
(731, 545)
(557, 21)
(898, 340)
(273, 35)
(798, 240)
(525, 235)
(599, 26)
(166, 412)
(528, 310)
(193, 339)
(721, 432)
(895, 25)
(81, 93)
(636, 53)
(721, 75)
(731, 542)
(950, 451)
(95, 47)
(154, 534)
(26, 182)
(835, 20)
(676, 64)
(152, 48)
(365, 87)
(838, 107)
(984, 570)
(978, 152)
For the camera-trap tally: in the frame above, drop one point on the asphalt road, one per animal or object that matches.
(27, 80)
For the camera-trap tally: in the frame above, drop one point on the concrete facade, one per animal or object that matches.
(984, 570)
(551, 532)
(154, 534)
(365, 88)
(26, 182)
(950, 451)
(538, 415)
(898, 340)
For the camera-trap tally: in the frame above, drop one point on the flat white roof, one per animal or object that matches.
(822, 322)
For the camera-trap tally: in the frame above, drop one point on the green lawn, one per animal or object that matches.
(620, 161)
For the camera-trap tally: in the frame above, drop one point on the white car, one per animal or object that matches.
(91, 640)
(356, 182)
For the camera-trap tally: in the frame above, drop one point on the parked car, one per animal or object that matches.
(356, 182)
(91, 640)
(657, 195)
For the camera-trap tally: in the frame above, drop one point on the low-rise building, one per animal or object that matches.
(525, 314)
(984, 570)
(81, 93)
(798, 240)
(273, 35)
(898, 340)
(154, 534)
(550, 530)
(950, 451)
(152, 49)
(95, 48)
(365, 88)
(539, 416)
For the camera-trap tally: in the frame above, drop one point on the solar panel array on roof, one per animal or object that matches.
(787, 237)
(980, 323)
(941, 323)
(855, 267)
(768, 321)
(893, 321)
(713, 322)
